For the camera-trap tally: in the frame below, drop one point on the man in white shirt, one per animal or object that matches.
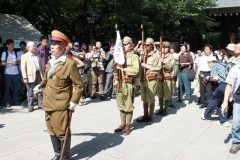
(32, 73)
(204, 71)
(12, 79)
(23, 49)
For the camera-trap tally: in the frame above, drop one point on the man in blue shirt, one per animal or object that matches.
(217, 77)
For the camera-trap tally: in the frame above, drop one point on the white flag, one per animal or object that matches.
(118, 51)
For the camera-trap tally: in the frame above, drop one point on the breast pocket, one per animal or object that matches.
(61, 80)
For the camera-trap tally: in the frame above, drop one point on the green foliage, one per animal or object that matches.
(176, 19)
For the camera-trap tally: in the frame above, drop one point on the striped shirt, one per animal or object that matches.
(219, 70)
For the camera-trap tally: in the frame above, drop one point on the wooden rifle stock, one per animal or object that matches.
(161, 57)
(143, 60)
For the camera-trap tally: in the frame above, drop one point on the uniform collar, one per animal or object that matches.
(129, 54)
(150, 54)
(167, 55)
(60, 59)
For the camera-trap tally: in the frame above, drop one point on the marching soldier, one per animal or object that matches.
(164, 79)
(125, 94)
(63, 89)
(149, 81)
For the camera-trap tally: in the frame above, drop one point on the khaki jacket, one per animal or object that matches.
(168, 63)
(63, 85)
(132, 65)
(28, 67)
(152, 61)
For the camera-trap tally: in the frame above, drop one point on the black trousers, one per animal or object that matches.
(205, 88)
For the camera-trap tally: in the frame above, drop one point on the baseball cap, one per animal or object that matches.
(231, 47)
(77, 44)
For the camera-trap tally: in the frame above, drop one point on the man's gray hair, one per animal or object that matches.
(30, 43)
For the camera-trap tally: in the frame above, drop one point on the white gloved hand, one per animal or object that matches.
(37, 89)
(72, 106)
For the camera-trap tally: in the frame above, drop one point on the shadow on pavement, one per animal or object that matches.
(228, 138)
(2, 125)
(100, 142)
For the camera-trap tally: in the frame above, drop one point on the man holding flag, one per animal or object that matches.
(126, 68)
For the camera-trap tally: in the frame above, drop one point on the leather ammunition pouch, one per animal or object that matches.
(128, 79)
(150, 77)
(166, 76)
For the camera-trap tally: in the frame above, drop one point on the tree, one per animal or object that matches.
(177, 19)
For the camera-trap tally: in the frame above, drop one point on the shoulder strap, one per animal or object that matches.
(6, 55)
(15, 54)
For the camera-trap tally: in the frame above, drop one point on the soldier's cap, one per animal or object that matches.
(149, 41)
(166, 44)
(59, 37)
(77, 44)
(127, 40)
(230, 47)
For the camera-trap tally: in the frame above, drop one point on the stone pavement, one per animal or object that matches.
(181, 135)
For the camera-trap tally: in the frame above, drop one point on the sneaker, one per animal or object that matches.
(234, 149)
(30, 109)
(8, 104)
(203, 106)
(203, 118)
(225, 124)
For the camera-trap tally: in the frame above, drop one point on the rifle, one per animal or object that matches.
(143, 59)
(66, 134)
(160, 53)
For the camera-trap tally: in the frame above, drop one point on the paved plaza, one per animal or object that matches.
(181, 135)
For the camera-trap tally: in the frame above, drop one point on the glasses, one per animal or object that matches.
(125, 44)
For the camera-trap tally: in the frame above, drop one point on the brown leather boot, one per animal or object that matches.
(120, 128)
(127, 130)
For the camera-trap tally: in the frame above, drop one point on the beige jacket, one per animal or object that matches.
(28, 67)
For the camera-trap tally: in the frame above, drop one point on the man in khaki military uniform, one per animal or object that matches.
(62, 90)
(149, 81)
(164, 79)
(125, 96)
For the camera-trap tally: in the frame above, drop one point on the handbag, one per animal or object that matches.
(191, 75)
